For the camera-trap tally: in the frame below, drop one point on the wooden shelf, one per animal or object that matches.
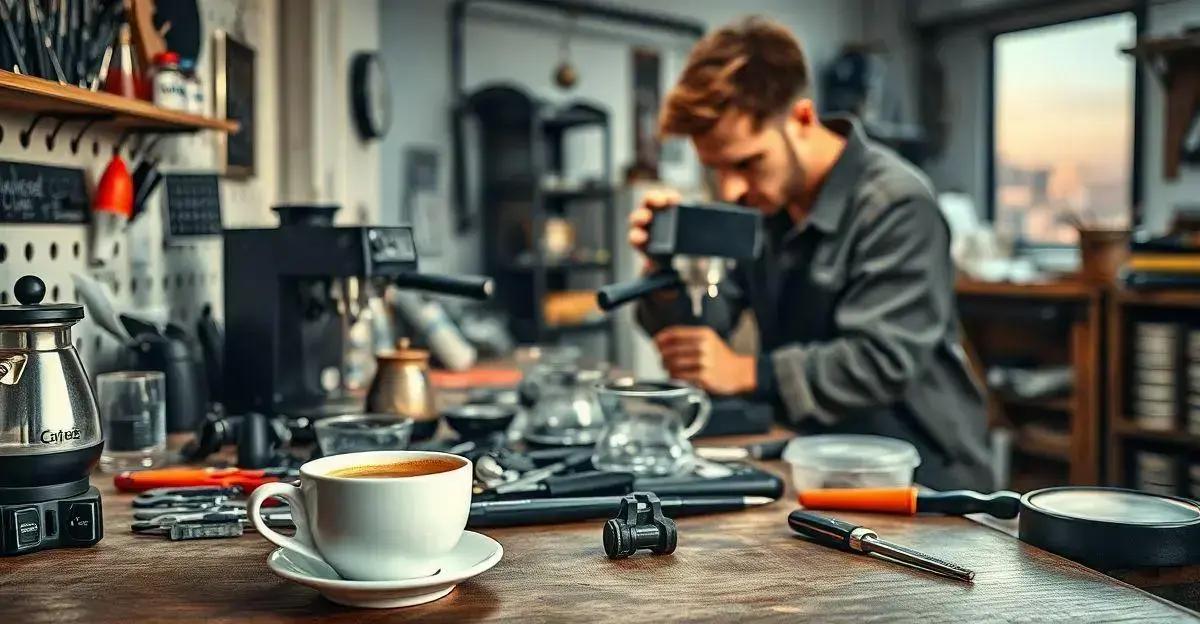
(1057, 290)
(1043, 443)
(1053, 404)
(1129, 429)
(18, 92)
(1160, 298)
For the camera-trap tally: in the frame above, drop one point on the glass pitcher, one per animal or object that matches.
(565, 412)
(646, 433)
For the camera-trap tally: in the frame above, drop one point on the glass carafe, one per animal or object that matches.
(646, 434)
(565, 412)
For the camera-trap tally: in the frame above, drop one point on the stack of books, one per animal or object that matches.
(1167, 262)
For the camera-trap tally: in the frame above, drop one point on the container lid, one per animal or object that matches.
(1113, 506)
(166, 57)
(404, 353)
(851, 453)
(29, 291)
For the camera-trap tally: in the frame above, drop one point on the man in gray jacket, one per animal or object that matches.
(854, 292)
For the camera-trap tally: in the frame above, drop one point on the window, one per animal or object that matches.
(1062, 128)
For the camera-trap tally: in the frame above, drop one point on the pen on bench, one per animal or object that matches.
(554, 510)
(763, 450)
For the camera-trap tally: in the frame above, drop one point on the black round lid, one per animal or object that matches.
(29, 291)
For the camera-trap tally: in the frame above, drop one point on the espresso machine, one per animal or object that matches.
(50, 436)
(693, 245)
(293, 295)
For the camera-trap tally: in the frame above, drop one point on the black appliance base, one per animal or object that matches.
(40, 469)
(68, 522)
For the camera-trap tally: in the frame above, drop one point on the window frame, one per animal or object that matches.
(1138, 11)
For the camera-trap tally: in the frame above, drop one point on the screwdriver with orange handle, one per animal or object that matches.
(142, 480)
(910, 501)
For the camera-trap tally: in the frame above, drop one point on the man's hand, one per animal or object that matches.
(639, 219)
(696, 354)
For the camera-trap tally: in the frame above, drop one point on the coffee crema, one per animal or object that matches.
(410, 468)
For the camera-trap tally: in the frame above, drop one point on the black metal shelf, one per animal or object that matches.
(572, 194)
(573, 117)
(523, 148)
(563, 266)
(591, 325)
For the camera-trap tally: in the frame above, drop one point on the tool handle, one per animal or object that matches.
(614, 295)
(830, 531)
(883, 500)
(142, 480)
(958, 502)
(768, 450)
(470, 286)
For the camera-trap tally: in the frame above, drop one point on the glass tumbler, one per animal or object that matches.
(363, 432)
(133, 417)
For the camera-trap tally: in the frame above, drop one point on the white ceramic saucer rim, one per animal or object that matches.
(415, 583)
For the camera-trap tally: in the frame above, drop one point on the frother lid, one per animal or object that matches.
(29, 291)
(1113, 506)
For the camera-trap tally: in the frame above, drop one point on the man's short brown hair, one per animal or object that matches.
(754, 65)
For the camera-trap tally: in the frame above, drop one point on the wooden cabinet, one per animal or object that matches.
(1057, 439)
(1153, 394)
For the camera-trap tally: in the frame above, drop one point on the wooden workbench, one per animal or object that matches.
(728, 567)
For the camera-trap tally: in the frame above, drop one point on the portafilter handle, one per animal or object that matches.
(471, 286)
(618, 294)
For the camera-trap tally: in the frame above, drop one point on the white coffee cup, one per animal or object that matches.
(372, 528)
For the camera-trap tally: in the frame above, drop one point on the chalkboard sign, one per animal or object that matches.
(41, 194)
(233, 69)
(193, 205)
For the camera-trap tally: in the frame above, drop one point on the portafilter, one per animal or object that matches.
(693, 245)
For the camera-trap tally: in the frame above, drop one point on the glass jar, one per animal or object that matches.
(565, 412)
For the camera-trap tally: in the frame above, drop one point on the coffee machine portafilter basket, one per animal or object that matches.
(692, 245)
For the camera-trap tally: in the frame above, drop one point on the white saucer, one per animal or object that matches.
(473, 555)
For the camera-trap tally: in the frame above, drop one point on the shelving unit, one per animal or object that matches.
(36, 95)
(1057, 440)
(1126, 437)
(520, 188)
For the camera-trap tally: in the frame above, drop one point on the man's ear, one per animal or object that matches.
(804, 114)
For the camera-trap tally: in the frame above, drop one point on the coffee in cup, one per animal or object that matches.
(375, 515)
(409, 468)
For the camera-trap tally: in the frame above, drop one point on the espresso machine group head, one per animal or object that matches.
(692, 244)
(290, 295)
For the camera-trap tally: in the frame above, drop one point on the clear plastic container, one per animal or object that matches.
(850, 461)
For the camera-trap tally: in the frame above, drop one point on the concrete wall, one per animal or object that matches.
(322, 159)
(413, 44)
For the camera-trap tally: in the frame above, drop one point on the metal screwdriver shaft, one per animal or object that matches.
(860, 539)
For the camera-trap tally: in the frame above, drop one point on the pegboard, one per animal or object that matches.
(144, 275)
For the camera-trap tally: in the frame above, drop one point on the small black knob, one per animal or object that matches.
(640, 524)
(30, 290)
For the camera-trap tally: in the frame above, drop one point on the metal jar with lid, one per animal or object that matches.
(401, 386)
(50, 435)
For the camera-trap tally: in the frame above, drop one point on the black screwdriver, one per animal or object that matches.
(834, 532)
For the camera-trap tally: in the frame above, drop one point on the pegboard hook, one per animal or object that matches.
(63, 120)
(26, 135)
(78, 138)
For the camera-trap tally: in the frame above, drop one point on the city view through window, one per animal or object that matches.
(1063, 128)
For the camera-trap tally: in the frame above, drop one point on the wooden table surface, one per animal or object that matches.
(733, 566)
